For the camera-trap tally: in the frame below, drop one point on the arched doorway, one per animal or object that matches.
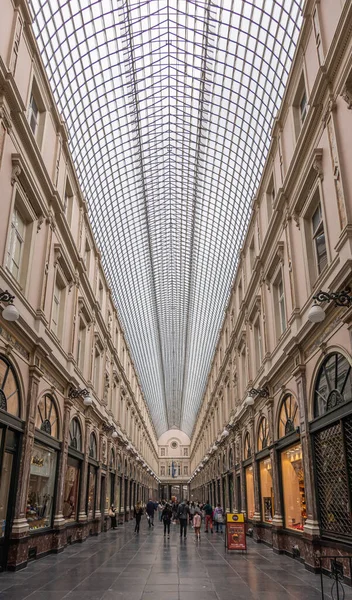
(11, 426)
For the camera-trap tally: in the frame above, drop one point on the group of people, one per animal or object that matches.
(185, 513)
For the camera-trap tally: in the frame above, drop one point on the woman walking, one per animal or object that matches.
(138, 512)
(166, 516)
(197, 522)
(218, 517)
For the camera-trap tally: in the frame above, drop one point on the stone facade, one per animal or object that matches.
(68, 336)
(246, 451)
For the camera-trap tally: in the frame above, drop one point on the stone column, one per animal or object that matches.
(59, 520)
(311, 527)
(236, 491)
(82, 515)
(98, 514)
(275, 465)
(18, 552)
(257, 511)
(226, 505)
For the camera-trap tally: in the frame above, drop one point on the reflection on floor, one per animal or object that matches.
(121, 566)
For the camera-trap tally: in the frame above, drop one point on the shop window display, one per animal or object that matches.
(9, 389)
(266, 490)
(71, 489)
(40, 499)
(91, 490)
(250, 492)
(293, 487)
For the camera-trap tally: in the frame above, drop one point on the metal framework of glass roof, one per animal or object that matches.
(169, 106)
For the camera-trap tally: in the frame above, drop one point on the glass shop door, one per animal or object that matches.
(8, 454)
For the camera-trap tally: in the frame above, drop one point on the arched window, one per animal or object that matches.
(247, 447)
(263, 434)
(224, 462)
(75, 435)
(9, 388)
(289, 416)
(112, 459)
(230, 458)
(47, 419)
(93, 453)
(333, 385)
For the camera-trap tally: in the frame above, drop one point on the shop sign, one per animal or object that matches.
(235, 538)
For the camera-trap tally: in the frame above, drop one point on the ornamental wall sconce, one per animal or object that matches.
(110, 430)
(10, 312)
(316, 312)
(78, 393)
(253, 393)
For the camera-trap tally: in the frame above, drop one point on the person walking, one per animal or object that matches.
(112, 515)
(182, 515)
(150, 509)
(197, 522)
(192, 508)
(218, 517)
(208, 511)
(138, 512)
(160, 510)
(166, 516)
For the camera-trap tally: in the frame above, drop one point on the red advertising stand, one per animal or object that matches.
(235, 538)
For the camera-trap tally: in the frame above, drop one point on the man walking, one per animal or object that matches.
(182, 515)
(150, 512)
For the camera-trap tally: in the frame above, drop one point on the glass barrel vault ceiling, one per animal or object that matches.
(169, 106)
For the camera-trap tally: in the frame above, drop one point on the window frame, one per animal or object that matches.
(313, 199)
(22, 205)
(37, 95)
(280, 310)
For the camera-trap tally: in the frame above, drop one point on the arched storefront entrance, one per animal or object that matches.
(11, 428)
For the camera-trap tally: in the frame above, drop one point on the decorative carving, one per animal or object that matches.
(40, 223)
(16, 172)
(331, 105)
(347, 94)
(5, 117)
(318, 165)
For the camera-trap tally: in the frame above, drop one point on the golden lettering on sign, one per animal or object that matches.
(37, 460)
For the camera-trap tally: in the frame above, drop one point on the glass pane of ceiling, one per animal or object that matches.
(169, 106)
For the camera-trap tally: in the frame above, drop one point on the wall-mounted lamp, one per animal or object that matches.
(316, 312)
(261, 392)
(110, 430)
(10, 312)
(75, 393)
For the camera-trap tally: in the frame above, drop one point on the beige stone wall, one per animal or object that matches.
(69, 328)
(307, 165)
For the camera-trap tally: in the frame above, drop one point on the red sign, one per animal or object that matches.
(236, 536)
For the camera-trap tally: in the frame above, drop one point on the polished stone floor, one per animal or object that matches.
(121, 566)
